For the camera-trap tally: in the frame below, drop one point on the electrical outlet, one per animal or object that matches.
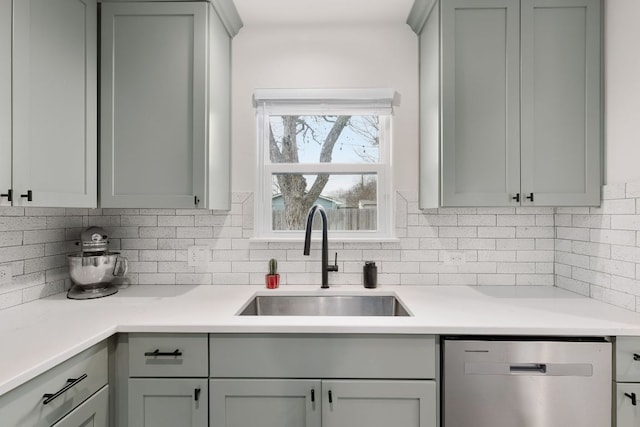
(6, 274)
(454, 258)
(198, 256)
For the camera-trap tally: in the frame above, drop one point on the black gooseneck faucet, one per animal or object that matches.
(326, 268)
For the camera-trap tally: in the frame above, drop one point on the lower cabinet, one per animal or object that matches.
(626, 384)
(94, 412)
(168, 402)
(326, 403)
(73, 393)
(265, 403)
(379, 403)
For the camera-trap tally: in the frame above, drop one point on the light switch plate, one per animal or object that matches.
(198, 256)
(6, 274)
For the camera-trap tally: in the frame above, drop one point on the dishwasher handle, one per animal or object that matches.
(528, 368)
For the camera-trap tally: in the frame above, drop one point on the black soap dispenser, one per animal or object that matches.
(370, 274)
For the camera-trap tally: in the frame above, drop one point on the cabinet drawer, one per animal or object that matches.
(322, 356)
(168, 355)
(25, 406)
(627, 368)
(93, 412)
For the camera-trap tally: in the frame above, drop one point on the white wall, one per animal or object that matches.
(622, 99)
(329, 56)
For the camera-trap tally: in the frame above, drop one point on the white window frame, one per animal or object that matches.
(324, 102)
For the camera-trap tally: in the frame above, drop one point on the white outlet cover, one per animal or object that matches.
(6, 274)
(198, 256)
(454, 258)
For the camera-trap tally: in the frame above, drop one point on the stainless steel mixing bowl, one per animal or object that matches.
(90, 270)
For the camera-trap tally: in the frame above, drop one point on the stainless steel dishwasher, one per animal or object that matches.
(503, 382)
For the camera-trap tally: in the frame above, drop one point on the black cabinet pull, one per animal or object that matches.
(157, 352)
(330, 397)
(29, 196)
(196, 394)
(632, 396)
(530, 197)
(49, 397)
(636, 356)
(313, 395)
(516, 197)
(9, 195)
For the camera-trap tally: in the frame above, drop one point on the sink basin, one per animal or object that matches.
(324, 305)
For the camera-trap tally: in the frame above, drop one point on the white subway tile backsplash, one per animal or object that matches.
(458, 232)
(157, 278)
(592, 276)
(614, 237)
(516, 220)
(477, 220)
(176, 221)
(626, 253)
(592, 249)
(615, 267)
(613, 191)
(418, 279)
(497, 279)
(576, 248)
(573, 285)
(10, 238)
(626, 222)
(632, 190)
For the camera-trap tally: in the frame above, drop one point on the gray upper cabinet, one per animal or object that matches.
(561, 101)
(510, 102)
(5, 101)
(48, 103)
(165, 98)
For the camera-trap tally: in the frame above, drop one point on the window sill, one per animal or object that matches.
(337, 239)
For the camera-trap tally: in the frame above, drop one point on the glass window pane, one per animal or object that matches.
(351, 201)
(324, 139)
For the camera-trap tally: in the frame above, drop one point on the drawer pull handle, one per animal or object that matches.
(49, 397)
(157, 352)
(636, 356)
(313, 395)
(196, 394)
(330, 397)
(631, 396)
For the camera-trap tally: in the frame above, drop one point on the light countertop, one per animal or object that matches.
(39, 335)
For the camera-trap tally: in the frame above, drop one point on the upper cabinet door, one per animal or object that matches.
(153, 105)
(561, 101)
(5, 100)
(480, 102)
(54, 102)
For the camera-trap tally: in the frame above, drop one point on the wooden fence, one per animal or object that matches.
(339, 219)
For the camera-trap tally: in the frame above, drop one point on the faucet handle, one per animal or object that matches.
(333, 267)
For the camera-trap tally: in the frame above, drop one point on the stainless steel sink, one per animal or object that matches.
(324, 305)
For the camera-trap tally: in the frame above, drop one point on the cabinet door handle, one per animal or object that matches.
(330, 397)
(632, 396)
(196, 394)
(157, 352)
(313, 395)
(28, 196)
(530, 197)
(516, 197)
(49, 397)
(8, 195)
